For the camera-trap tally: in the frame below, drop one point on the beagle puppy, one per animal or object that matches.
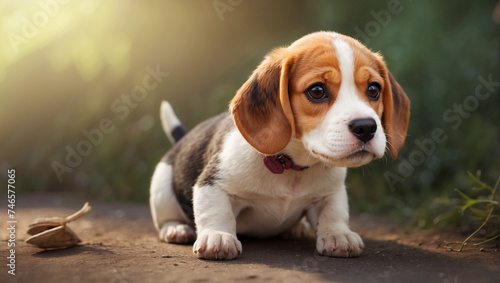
(276, 162)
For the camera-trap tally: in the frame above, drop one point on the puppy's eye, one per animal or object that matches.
(373, 91)
(316, 93)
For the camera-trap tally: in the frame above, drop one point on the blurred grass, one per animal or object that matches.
(482, 206)
(66, 77)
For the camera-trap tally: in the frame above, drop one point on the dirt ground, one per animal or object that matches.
(119, 244)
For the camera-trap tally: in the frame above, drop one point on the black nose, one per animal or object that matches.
(363, 129)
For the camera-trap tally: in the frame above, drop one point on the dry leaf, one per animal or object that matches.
(56, 238)
(52, 233)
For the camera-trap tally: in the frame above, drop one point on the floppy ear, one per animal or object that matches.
(396, 115)
(261, 107)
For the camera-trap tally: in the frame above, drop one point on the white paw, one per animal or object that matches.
(213, 244)
(179, 234)
(339, 243)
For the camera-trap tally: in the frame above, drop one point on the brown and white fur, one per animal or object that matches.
(325, 101)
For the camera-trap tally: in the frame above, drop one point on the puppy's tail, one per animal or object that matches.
(171, 124)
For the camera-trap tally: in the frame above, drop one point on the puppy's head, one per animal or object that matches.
(331, 93)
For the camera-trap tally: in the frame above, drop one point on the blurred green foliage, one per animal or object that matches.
(64, 67)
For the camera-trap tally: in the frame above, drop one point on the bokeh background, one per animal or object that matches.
(67, 68)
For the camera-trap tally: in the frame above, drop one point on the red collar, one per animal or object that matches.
(278, 163)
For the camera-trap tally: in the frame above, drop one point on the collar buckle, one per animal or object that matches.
(277, 164)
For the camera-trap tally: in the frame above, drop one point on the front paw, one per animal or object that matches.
(179, 234)
(339, 243)
(213, 244)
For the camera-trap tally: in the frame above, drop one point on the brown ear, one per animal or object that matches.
(261, 107)
(396, 116)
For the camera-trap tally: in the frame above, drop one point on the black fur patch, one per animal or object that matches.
(178, 132)
(395, 94)
(261, 93)
(194, 158)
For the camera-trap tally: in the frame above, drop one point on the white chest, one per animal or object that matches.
(266, 204)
